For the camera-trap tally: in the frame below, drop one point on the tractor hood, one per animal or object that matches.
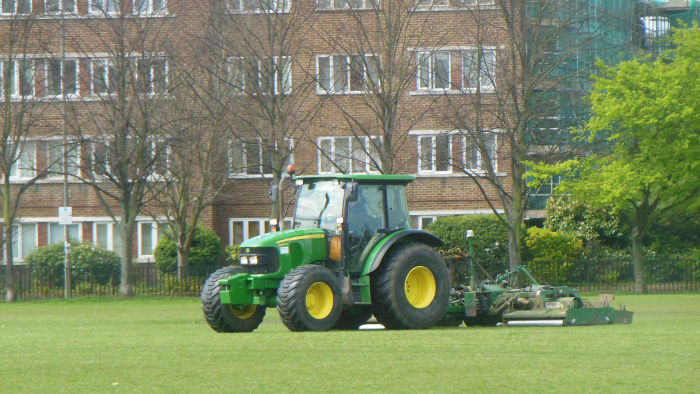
(282, 238)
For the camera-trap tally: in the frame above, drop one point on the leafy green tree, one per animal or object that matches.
(648, 111)
(206, 251)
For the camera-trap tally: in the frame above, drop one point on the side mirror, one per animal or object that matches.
(351, 191)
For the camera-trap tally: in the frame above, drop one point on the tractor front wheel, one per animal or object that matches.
(410, 289)
(225, 317)
(308, 299)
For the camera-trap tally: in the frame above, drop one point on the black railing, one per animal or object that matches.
(662, 274)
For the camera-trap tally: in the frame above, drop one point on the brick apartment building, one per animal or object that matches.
(335, 68)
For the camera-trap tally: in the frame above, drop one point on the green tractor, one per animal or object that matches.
(351, 253)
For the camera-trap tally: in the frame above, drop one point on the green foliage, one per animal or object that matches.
(490, 242)
(206, 251)
(548, 245)
(88, 260)
(593, 224)
(232, 254)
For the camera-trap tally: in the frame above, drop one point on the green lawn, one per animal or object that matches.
(164, 345)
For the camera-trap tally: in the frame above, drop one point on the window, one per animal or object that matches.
(24, 240)
(104, 7)
(242, 229)
(56, 233)
(424, 221)
(16, 7)
(348, 154)
(257, 6)
(473, 158)
(145, 7)
(343, 74)
(60, 76)
(478, 69)
(434, 153)
(273, 74)
(24, 167)
(103, 77)
(106, 235)
(58, 6)
(434, 70)
(249, 158)
(55, 152)
(21, 75)
(432, 3)
(148, 234)
(151, 75)
(346, 4)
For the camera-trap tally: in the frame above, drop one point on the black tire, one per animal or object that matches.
(353, 318)
(390, 299)
(309, 299)
(228, 318)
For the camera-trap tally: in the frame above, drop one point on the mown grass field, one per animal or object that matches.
(164, 345)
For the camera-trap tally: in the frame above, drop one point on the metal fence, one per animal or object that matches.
(662, 274)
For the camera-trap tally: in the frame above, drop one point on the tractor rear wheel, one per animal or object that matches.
(309, 299)
(353, 318)
(225, 317)
(410, 289)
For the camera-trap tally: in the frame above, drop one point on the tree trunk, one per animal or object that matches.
(10, 280)
(183, 262)
(515, 219)
(638, 260)
(127, 231)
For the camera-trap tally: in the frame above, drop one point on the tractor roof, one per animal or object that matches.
(361, 178)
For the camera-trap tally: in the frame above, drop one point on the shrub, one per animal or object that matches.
(232, 254)
(490, 241)
(552, 254)
(88, 262)
(206, 251)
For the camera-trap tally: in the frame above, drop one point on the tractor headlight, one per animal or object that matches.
(244, 260)
(253, 260)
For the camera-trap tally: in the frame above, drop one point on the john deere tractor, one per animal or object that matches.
(350, 254)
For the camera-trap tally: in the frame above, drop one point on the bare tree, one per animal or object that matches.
(255, 49)
(125, 139)
(20, 114)
(374, 53)
(197, 150)
(517, 76)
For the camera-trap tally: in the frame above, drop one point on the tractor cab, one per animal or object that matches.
(356, 212)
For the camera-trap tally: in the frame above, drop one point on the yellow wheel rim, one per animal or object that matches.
(319, 300)
(420, 287)
(243, 312)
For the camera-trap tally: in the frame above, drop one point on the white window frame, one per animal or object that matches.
(152, 83)
(419, 220)
(99, 10)
(433, 153)
(347, 89)
(55, 143)
(242, 171)
(432, 4)
(330, 5)
(427, 58)
(238, 65)
(60, 4)
(108, 68)
(479, 168)
(15, 169)
(18, 233)
(237, 7)
(15, 76)
(263, 223)
(351, 158)
(486, 80)
(63, 77)
(154, 239)
(110, 234)
(48, 232)
(149, 7)
(15, 7)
